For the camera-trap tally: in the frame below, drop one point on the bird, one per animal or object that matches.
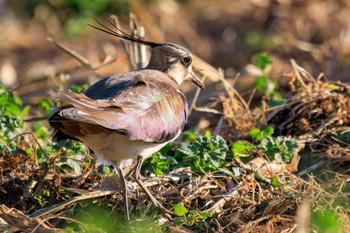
(130, 115)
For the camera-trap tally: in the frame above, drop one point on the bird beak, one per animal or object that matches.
(194, 78)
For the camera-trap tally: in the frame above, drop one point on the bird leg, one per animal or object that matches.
(124, 189)
(145, 189)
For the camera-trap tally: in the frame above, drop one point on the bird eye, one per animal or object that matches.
(187, 60)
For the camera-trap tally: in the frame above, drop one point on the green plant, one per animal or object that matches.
(205, 154)
(344, 136)
(40, 199)
(79, 89)
(11, 105)
(201, 153)
(13, 127)
(180, 210)
(97, 216)
(191, 136)
(158, 163)
(263, 60)
(243, 150)
(12, 115)
(276, 182)
(266, 85)
(281, 148)
(190, 217)
(47, 105)
(326, 221)
(258, 134)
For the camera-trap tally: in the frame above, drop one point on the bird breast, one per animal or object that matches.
(115, 147)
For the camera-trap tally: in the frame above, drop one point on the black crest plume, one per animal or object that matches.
(115, 31)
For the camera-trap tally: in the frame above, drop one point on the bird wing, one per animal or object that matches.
(145, 108)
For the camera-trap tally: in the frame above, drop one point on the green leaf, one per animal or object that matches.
(268, 131)
(207, 134)
(263, 60)
(79, 89)
(69, 229)
(280, 148)
(204, 215)
(47, 105)
(76, 166)
(190, 136)
(255, 133)
(344, 136)
(260, 177)
(40, 155)
(29, 151)
(180, 210)
(275, 95)
(194, 217)
(204, 154)
(326, 221)
(158, 164)
(276, 102)
(106, 169)
(184, 151)
(275, 182)
(168, 148)
(242, 147)
(25, 111)
(13, 109)
(40, 200)
(265, 85)
(40, 131)
(179, 222)
(269, 145)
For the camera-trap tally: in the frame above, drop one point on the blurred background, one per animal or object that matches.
(225, 33)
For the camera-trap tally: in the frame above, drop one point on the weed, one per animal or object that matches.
(12, 115)
(264, 84)
(190, 217)
(281, 148)
(326, 221)
(258, 134)
(205, 154)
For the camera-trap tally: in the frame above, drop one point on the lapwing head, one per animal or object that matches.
(170, 58)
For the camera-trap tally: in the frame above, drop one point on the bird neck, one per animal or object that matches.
(157, 63)
(174, 74)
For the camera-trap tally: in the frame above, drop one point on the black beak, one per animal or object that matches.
(194, 78)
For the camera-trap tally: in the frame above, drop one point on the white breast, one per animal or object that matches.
(116, 147)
